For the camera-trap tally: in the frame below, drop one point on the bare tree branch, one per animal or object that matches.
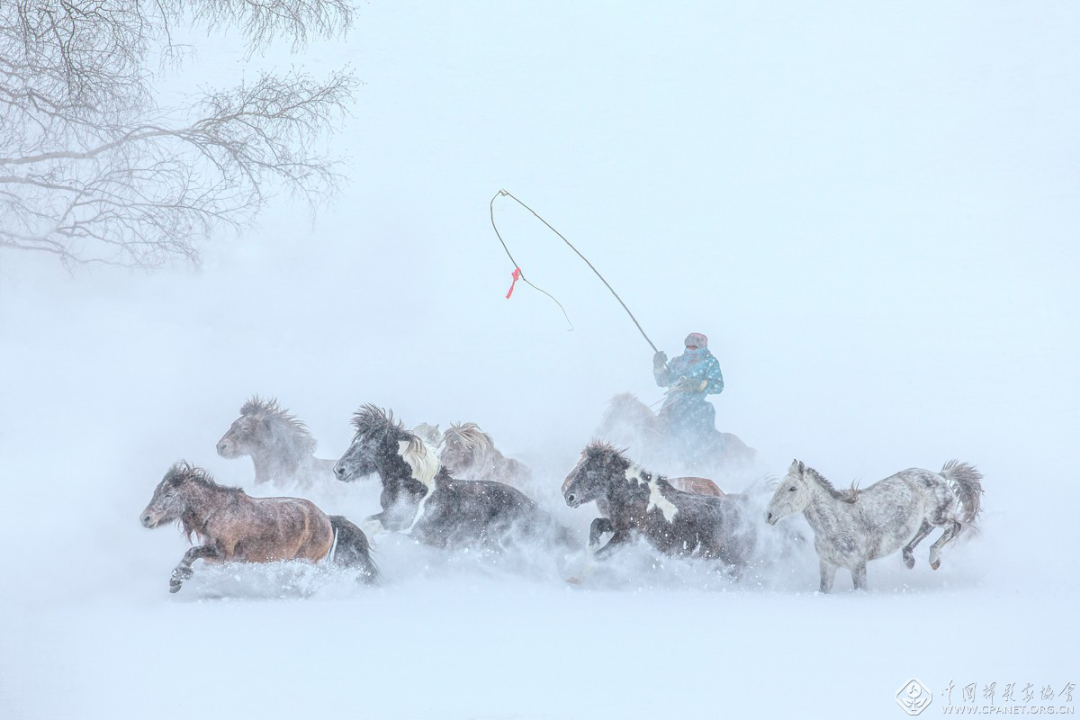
(91, 170)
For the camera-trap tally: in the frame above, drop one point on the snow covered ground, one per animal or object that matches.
(869, 208)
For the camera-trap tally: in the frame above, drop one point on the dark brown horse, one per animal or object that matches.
(230, 525)
(281, 447)
(601, 525)
(639, 503)
(420, 497)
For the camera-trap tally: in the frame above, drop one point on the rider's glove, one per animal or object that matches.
(687, 385)
(659, 359)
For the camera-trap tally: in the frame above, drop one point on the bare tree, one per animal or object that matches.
(92, 169)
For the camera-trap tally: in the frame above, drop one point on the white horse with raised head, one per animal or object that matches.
(852, 527)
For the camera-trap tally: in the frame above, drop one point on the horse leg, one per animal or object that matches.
(858, 576)
(909, 555)
(598, 527)
(183, 571)
(620, 538)
(373, 525)
(828, 575)
(935, 549)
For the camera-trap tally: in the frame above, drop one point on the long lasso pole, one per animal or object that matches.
(517, 268)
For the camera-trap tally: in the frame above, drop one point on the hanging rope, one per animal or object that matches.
(519, 274)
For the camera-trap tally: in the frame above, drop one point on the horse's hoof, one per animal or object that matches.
(909, 560)
(174, 587)
(573, 581)
(935, 565)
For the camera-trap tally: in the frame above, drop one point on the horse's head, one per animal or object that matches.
(462, 445)
(377, 435)
(248, 431)
(792, 494)
(428, 433)
(170, 498)
(599, 464)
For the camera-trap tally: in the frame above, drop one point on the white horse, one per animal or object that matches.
(854, 526)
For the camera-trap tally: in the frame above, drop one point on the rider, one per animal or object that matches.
(689, 378)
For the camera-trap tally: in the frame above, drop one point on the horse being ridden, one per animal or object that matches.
(469, 453)
(628, 422)
(281, 447)
(419, 497)
(230, 525)
(855, 526)
(636, 502)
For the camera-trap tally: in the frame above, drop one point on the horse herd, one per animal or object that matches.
(454, 489)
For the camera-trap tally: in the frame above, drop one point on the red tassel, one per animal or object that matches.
(517, 275)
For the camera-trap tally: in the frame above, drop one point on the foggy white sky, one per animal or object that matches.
(866, 208)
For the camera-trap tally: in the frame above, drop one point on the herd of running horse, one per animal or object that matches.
(454, 489)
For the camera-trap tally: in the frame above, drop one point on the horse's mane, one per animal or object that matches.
(420, 458)
(370, 418)
(471, 436)
(604, 449)
(298, 434)
(849, 495)
(184, 472)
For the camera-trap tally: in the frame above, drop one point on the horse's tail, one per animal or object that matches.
(966, 482)
(351, 549)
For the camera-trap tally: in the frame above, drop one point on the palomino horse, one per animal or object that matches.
(628, 422)
(280, 446)
(469, 453)
(420, 497)
(230, 525)
(855, 526)
(637, 502)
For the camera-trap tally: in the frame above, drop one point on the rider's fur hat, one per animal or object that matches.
(697, 340)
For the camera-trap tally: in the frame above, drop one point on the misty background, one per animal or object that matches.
(869, 208)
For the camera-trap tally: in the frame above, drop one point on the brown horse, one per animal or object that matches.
(230, 525)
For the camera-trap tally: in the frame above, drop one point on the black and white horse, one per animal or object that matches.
(419, 497)
(638, 503)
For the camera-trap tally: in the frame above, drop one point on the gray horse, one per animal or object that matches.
(854, 526)
(280, 446)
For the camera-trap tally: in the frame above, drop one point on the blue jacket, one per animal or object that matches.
(697, 365)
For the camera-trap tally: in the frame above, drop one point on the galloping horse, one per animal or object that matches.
(637, 502)
(855, 526)
(628, 422)
(469, 453)
(419, 496)
(280, 446)
(230, 525)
